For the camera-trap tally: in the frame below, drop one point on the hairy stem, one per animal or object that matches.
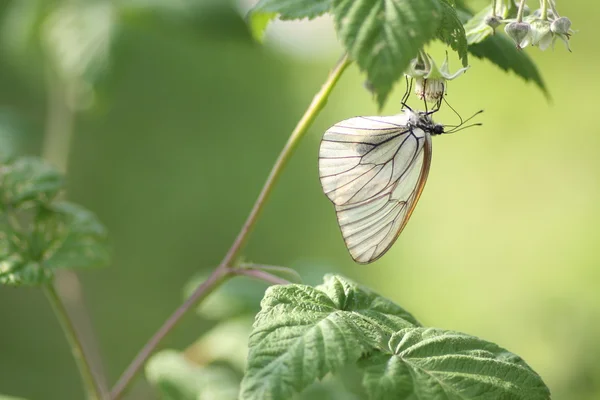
(89, 383)
(224, 271)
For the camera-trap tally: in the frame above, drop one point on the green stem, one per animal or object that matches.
(89, 383)
(553, 8)
(225, 271)
(494, 2)
(521, 10)
(545, 10)
(298, 133)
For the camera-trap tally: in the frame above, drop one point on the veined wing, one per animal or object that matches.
(373, 169)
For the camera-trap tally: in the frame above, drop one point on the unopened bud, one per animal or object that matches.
(561, 26)
(520, 32)
(493, 21)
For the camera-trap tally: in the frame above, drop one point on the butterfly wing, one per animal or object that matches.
(373, 169)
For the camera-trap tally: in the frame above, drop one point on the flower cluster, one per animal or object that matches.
(541, 28)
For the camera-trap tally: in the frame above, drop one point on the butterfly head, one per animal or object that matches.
(424, 121)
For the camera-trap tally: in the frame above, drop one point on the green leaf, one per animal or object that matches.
(293, 9)
(431, 364)
(452, 32)
(28, 181)
(476, 28)
(177, 378)
(62, 235)
(303, 333)
(501, 50)
(258, 22)
(71, 237)
(14, 271)
(383, 36)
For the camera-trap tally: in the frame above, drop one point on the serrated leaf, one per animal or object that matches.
(14, 271)
(63, 235)
(383, 36)
(177, 378)
(28, 181)
(72, 237)
(293, 9)
(452, 32)
(434, 364)
(303, 333)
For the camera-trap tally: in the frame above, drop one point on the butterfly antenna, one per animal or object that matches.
(455, 112)
(460, 128)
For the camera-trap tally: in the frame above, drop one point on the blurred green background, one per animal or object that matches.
(186, 124)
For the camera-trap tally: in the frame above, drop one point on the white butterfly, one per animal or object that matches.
(374, 169)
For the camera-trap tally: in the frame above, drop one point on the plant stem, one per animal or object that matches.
(521, 10)
(298, 133)
(494, 8)
(89, 383)
(544, 10)
(224, 271)
(553, 8)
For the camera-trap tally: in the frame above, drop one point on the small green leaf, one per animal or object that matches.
(476, 27)
(433, 364)
(177, 378)
(452, 32)
(293, 9)
(258, 22)
(383, 36)
(16, 272)
(28, 181)
(71, 237)
(303, 333)
(61, 235)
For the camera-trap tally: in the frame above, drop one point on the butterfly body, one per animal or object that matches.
(373, 170)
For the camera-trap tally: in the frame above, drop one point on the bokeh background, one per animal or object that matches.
(178, 135)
